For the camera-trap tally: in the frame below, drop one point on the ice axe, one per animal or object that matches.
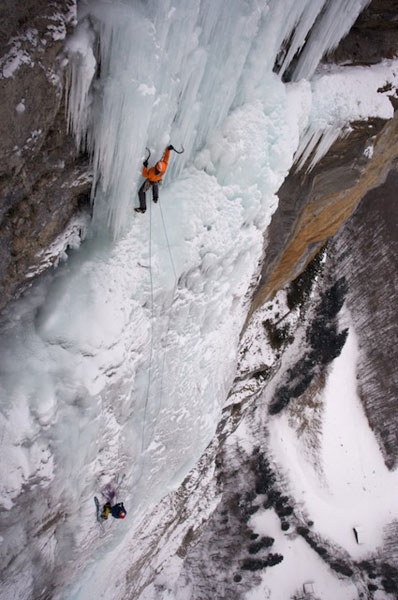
(145, 163)
(177, 151)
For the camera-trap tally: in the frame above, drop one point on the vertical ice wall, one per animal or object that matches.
(171, 71)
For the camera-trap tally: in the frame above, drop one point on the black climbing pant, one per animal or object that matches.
(144, 188)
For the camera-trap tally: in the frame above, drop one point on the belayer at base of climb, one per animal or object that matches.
(153, 177)
(117, 511)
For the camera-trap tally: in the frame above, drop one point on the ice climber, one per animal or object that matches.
(117, 511)
(153, 177)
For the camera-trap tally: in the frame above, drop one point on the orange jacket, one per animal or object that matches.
(152, 174)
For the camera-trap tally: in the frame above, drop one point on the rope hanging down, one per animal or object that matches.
(169, 311)
(152, 309)
(152, 321)
(152, 324)
(141, 459)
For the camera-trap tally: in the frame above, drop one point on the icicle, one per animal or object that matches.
(303, 23)
(82, 66)
(331, 26)
(315, 143)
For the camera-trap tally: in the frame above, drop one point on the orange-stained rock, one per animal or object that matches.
(313, 206)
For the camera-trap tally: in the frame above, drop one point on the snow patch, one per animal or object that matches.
(354, 487)
(20, 107)
(301, 564)
(17, 55)
(146, 90)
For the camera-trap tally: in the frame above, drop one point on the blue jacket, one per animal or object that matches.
(118, 511)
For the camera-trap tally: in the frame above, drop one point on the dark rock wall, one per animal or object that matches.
(374, 35)
(43, 182)
(366, 253)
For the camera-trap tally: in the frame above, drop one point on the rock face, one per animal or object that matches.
(374, 36)
(327, 197)
(366, 253)
(43, 182)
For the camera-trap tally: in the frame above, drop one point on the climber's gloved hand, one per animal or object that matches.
(145, 163)
(170, 147)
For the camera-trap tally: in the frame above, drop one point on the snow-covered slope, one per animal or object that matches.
(120, 364)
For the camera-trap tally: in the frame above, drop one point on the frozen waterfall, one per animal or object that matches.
(173, 71)
(129, 349)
